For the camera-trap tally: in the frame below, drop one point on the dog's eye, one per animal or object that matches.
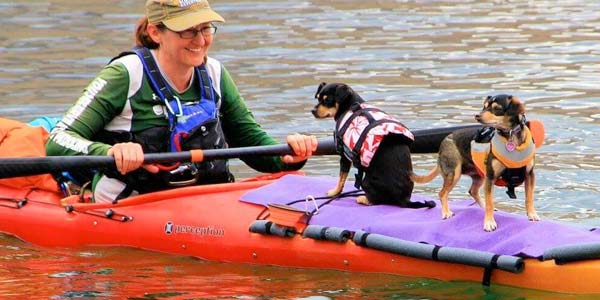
(498, 110)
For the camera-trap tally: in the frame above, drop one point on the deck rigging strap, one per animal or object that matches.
(15, 203)
(329, 199)
(487, 271)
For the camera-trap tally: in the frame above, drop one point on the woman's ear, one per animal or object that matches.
(153, 32)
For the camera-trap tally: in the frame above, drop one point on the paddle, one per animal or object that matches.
(426, 141)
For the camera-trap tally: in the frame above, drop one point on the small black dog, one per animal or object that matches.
(377, 144)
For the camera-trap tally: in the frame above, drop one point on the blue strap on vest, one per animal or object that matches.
(183, 119)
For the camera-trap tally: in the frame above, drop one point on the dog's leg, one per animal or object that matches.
(474, 190)
(494, 169)
(529, 185)
(489, 223)
(340, 185)
(345, 165)
(450, 181)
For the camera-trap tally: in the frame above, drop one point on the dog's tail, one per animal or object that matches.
(427, 178)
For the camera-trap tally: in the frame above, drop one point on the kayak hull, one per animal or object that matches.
(210, 223)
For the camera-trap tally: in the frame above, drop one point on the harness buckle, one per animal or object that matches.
(183, 175)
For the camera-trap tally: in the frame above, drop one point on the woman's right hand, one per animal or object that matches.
(129, 157)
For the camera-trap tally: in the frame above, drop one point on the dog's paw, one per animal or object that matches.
(447, 214)
(533, 216)
(363, 200)
(333, 192)
(489, 225)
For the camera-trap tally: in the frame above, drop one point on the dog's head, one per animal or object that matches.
(502, 111)
(334, 100)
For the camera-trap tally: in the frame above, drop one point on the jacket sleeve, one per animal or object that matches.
(102, 100)
(242, 130)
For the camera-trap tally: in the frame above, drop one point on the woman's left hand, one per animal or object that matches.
(303, 146)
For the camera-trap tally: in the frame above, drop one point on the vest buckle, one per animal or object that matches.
(184, 175)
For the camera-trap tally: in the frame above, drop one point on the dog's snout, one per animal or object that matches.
(314, 111)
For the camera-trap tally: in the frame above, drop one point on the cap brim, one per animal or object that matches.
(192, 19)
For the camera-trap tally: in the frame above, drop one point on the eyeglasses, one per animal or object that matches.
(193, 32)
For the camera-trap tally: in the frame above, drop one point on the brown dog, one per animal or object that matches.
(379, 150)
(501, 153)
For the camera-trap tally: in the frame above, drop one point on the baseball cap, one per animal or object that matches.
(180, 15)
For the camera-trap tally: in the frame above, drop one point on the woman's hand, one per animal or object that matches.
(303, 146)
(129, 157)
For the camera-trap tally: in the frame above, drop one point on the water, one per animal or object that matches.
(430, 63)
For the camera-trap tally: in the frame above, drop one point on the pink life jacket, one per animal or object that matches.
(360, 131)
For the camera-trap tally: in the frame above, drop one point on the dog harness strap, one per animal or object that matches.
(363, 135)
(355, 114)
(342, 148)
(355, 152)
(359, 176)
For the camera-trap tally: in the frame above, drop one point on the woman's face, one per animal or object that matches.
(187, 48)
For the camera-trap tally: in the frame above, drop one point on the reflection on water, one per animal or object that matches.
(104, 274)
(428, 62)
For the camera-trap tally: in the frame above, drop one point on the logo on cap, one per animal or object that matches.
(185, 3)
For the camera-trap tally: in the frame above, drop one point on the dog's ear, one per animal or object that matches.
(486, 101)
(516, 108)
(319, 88)
(342, 92)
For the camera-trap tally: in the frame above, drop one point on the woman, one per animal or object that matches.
(149, 101)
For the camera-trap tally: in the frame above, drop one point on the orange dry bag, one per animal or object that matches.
(18, 139)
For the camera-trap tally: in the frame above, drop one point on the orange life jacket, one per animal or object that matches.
(512, 159)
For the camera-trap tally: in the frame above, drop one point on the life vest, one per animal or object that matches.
(191, 126)
(360, 131)
(515, 158)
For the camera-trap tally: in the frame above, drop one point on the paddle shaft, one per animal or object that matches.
(426, 141)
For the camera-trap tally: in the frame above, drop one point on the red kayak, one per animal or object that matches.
(212, 223)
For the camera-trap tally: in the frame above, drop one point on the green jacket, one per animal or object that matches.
(120, 98)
